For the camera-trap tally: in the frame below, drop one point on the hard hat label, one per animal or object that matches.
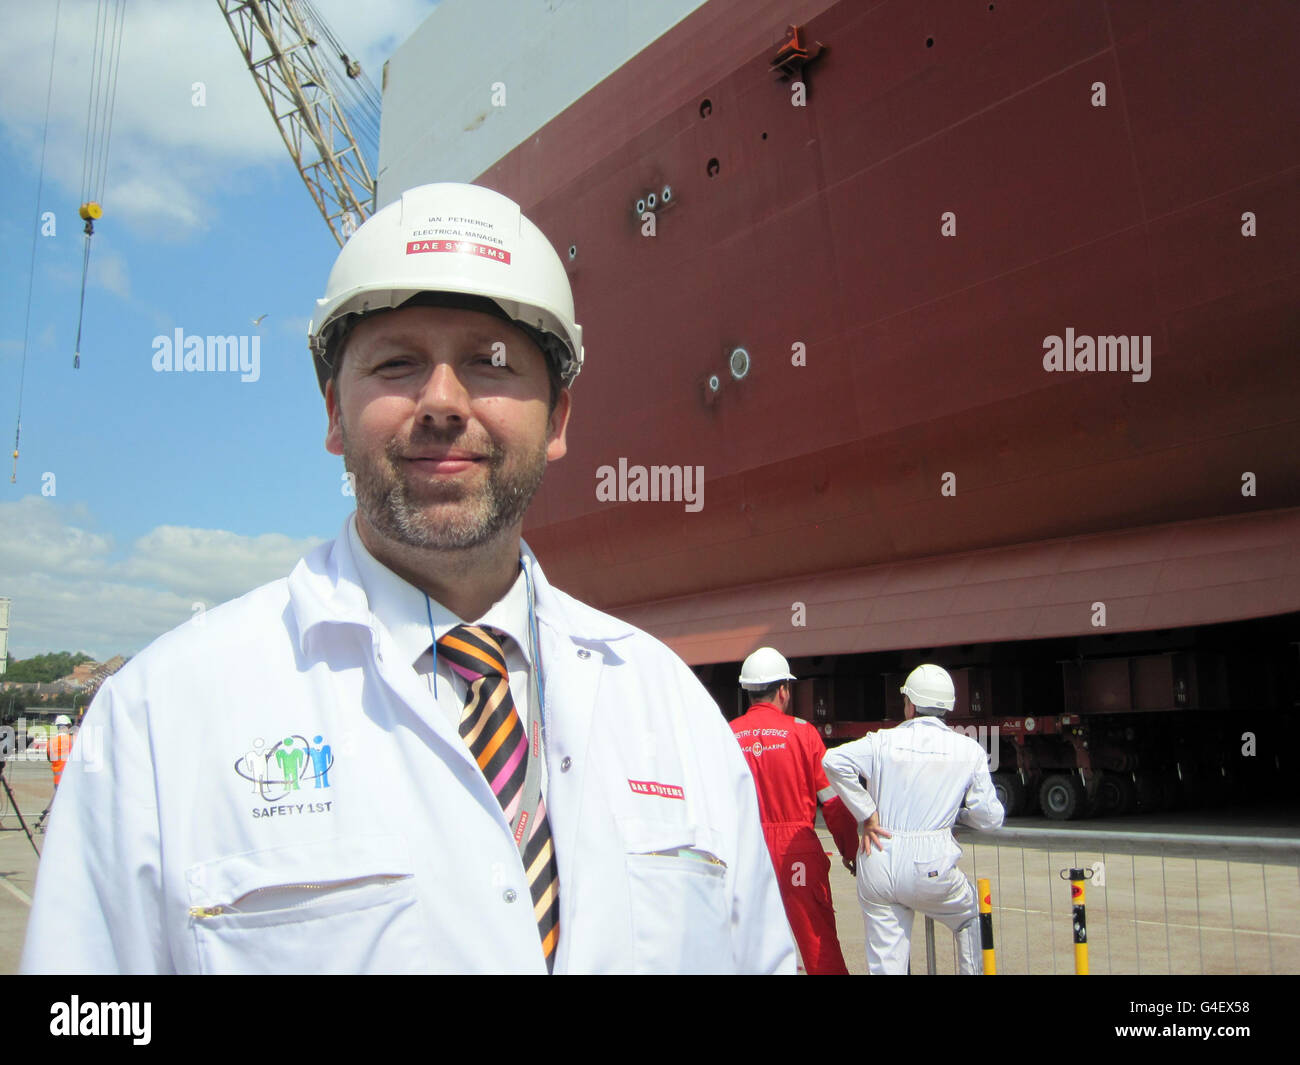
(464, 247)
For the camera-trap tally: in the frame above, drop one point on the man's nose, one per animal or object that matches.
(444, 396)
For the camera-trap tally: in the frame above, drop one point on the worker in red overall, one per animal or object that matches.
(785, 757)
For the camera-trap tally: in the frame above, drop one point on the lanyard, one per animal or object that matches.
(536, 675)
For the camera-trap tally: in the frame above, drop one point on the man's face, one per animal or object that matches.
(442, 417)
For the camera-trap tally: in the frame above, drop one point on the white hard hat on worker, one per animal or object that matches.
(931, 689)
(468, 243)
(763, 668)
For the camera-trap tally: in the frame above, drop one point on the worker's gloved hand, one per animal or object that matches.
(870, 832)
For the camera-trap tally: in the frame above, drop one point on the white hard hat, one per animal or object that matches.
(764, 668)
(63, 719)
(460, 239)
(930, 686)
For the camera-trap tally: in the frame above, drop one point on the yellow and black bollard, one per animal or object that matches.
(1077, 878)
(986, 928)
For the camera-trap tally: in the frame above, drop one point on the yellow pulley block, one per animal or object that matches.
(90, 211)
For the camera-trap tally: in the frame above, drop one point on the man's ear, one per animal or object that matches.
(557, 425)
(334, 435)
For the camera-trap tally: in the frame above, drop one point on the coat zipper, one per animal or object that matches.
(689, 852)
(334, 886)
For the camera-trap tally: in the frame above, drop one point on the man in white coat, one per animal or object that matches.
(921, 777)
(460, 768)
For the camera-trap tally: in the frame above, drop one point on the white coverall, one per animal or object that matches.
(160, 860)
(922, 777)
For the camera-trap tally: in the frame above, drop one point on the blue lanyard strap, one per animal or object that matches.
(428, 607)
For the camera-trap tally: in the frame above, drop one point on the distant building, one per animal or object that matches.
(107, 669)
(4, 634)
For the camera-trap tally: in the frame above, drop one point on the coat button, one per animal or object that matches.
(583, 653)
(509, 895)
(566, 764)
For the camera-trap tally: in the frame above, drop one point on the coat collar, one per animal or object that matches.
(769, 706)
(566, 615)
(325, 587)
(938, 720)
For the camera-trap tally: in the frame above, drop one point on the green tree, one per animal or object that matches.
(45, 668)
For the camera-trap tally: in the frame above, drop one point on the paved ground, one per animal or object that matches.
(32, 785)
(1145, 915)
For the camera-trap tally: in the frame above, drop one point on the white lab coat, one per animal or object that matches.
(922, 777)
(401, 859)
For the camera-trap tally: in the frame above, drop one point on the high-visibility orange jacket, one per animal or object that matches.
(58, 752)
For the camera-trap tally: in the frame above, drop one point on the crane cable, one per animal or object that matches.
(36, 229)
(363, 105)
(99, 132)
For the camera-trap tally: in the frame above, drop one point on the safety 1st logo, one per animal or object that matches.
(275, 772)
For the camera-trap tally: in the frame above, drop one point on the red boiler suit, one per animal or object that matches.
(785, 757)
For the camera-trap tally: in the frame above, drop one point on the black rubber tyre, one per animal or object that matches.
(1150, 790)
(1225, 787)
(1031, 798)
(1061, 797)
(1010, 793)
(1175, 790)
(1118, 794)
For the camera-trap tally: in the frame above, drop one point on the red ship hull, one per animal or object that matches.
(923, 424)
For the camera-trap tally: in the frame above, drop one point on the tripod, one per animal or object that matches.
(14, 801)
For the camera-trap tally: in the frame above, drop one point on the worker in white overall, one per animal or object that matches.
(921, 777)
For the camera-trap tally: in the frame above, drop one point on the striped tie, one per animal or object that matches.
(491, 729)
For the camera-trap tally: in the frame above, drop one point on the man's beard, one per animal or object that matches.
(395, 504)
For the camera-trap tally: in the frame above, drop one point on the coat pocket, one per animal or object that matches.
(679, 891)
(344, 905)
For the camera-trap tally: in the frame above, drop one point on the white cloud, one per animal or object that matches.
(70, 592)
(109, 272)
(168, 159)
(36, 535)
(211, 565)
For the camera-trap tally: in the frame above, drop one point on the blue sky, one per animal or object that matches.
(169, 489)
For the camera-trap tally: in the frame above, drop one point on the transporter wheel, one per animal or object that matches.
(1198, 777)
(1031, 806)
(1061, 796)
(1117, 794)
(1225, 786)
(1010, 793)
(1150, 790)
(1176, 797)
